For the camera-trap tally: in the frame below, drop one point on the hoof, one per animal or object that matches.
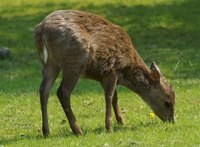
(78, 132)
(46, 132)
(109, 130)
(120, 121)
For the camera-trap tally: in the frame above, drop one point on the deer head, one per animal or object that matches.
(161, 96)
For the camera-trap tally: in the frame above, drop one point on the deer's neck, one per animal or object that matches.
(136, 76)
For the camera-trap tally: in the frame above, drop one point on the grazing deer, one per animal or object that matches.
(82, 44)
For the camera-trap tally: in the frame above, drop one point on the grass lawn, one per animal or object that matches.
(165, 31)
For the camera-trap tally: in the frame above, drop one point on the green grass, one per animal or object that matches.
(163, 31)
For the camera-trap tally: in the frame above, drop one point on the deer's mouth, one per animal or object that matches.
(168, 119)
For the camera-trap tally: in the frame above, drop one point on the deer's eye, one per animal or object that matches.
(168, 104)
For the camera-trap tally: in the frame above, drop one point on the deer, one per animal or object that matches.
(81, 44)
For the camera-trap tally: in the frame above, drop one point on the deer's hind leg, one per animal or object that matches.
(71, 74)
(50, 73)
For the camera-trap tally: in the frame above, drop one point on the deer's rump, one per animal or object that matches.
(79, 37)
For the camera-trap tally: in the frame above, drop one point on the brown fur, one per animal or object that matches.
(82, 44)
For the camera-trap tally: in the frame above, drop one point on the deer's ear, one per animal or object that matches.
(155, 72)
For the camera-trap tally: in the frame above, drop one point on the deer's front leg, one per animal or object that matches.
(109, 85)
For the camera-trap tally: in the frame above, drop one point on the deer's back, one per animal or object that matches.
(77, 35)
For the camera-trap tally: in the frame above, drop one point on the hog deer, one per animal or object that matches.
(82, 44)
